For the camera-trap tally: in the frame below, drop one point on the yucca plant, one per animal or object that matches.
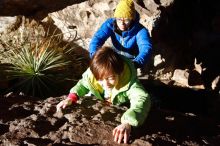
(37, 73)
(40, 63)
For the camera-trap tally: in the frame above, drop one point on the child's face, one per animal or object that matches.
(123, 23)
(109, 81)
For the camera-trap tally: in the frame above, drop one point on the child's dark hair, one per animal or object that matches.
(106, 62)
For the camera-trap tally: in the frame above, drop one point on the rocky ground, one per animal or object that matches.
(178, 117)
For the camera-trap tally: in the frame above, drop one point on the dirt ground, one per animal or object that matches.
(179, 117)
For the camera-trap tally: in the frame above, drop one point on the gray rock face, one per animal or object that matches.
(6, 22)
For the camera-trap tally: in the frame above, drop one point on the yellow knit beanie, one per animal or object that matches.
(125, 9)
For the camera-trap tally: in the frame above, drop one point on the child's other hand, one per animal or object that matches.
(122, 131)
(63, 104)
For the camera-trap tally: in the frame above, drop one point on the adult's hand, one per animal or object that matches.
(122, 132)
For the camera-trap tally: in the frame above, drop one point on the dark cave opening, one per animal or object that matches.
(188, 30)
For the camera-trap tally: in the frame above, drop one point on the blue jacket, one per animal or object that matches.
(134, 43)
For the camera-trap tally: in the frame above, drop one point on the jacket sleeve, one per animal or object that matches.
(144, 46)
(139, 105)
(81, 87)
(101, 35)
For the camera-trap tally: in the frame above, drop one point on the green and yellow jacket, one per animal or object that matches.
(128, 90)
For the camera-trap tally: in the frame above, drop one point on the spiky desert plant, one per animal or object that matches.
(40, 62)
(37, 71)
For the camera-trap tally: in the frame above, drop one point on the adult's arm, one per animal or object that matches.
(144, 45)
(100, 36)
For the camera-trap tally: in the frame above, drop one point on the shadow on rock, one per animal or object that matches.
(171, 128)
(37, 9)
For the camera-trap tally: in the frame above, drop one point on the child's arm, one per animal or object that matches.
(80, 89)
(139, 105)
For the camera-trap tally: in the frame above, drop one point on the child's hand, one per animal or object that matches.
(63, 104)
(122, 131)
